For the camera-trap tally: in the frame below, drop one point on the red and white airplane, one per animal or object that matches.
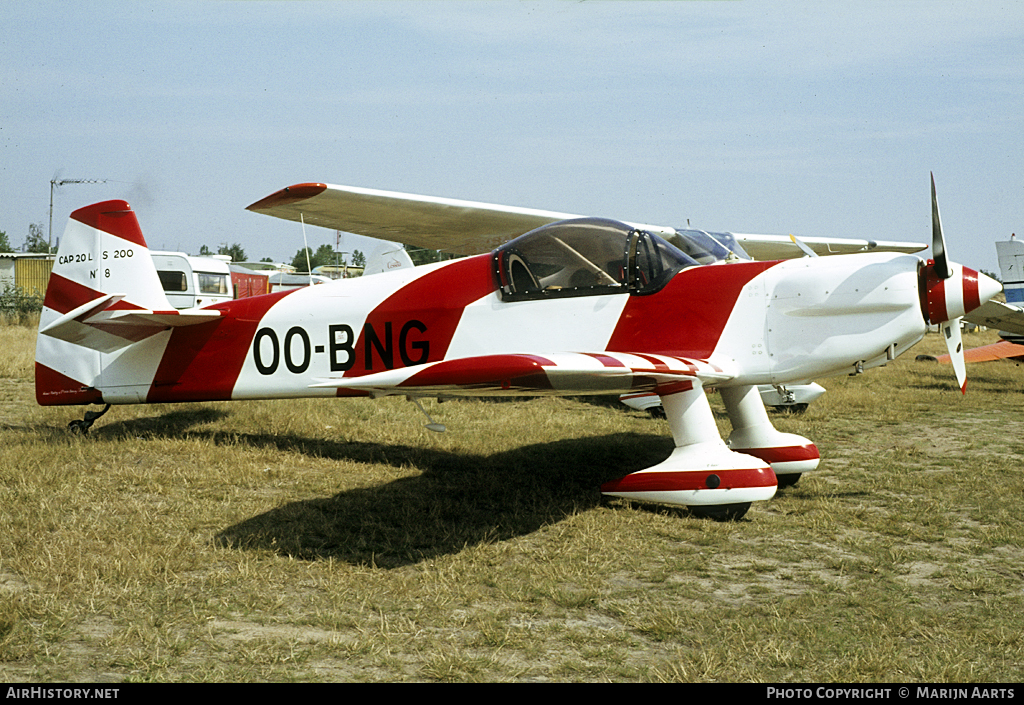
(575, 306)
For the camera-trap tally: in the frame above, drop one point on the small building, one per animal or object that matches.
(29, 271)
(246, 282)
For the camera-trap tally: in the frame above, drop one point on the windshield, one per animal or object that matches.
(702, 245)
(585, 257)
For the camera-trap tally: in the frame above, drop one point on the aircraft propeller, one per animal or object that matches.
(949, 297)
(942, 268)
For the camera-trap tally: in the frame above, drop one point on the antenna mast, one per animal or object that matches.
(56, 183)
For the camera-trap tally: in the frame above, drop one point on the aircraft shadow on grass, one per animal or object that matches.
(457, 500)
(170, 424)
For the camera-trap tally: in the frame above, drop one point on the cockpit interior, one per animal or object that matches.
(593, 256)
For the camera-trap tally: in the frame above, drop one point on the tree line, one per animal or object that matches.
(37, 242)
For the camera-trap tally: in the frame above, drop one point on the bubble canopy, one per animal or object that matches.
(585, 257)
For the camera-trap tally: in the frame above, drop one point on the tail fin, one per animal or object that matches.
(103, 252)
(386, 258)
(1011, 268)
(104, 295)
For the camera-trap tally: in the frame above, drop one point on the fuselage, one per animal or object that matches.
(765, 322)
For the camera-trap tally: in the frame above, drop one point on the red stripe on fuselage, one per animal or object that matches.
(658, 365)
(415, 324)
(606, 360)
(53, 388)
(202, 362)
(688, 315)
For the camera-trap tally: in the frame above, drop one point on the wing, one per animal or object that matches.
(1003, 350)
(773, 247)
(472, 227)
(527, 374)
(462, 227)
(998, 315)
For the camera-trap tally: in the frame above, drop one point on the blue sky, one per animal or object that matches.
(813, 118)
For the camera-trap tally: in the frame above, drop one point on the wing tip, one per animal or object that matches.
(288, 195)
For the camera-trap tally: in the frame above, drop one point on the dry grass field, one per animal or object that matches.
(341, 541)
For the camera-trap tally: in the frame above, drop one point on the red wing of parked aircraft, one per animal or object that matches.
(574, 306)
(1003, 350)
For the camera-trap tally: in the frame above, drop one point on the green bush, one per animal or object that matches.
(18, 306)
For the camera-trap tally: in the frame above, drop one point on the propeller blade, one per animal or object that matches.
(942, 269)
(955, 346)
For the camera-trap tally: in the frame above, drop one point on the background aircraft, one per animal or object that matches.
(795, 397)
(577, 306)
(1008, 317)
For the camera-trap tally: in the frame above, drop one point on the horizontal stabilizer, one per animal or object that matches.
(99, 325)
(77, 314)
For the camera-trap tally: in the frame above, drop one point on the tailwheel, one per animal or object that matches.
(82, 426)
(720, 512)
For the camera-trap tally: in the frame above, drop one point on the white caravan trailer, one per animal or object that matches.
(193, 281)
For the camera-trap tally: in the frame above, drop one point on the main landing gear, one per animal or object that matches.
(721, 512)
(789, 455)
(82, 426)
(707, 476)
